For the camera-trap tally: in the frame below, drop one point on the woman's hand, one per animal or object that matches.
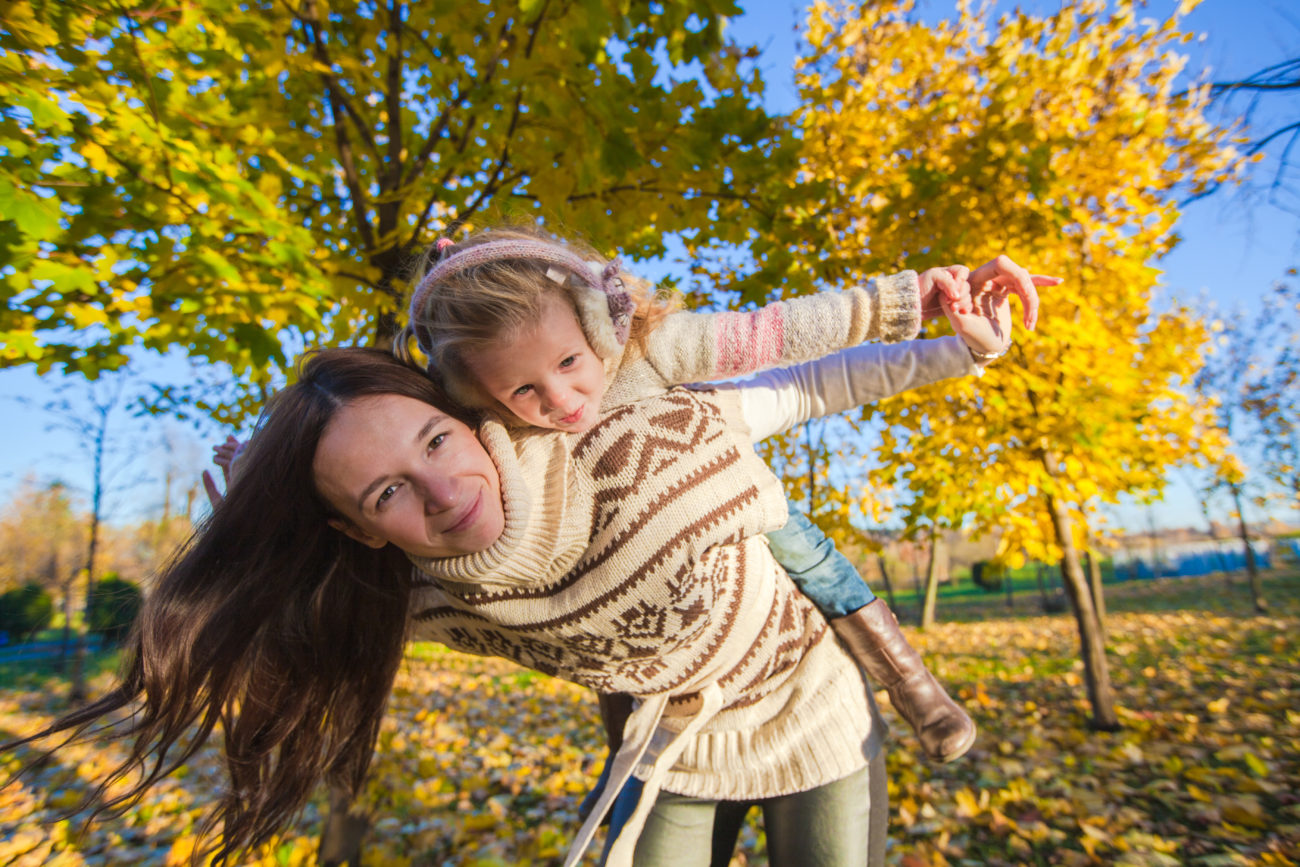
(225, 456)
(986, 325)
(1001, 276)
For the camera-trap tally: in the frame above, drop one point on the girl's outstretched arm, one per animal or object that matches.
(694, 347)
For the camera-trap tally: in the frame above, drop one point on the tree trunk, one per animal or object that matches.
(1098, 600)
(812, 468)
(1101, 694)
(343, 831)
(65, 647)
(916, 586)
(1214, 535)
(889, 585)
(77, 676)
(1252, 569)
(931, 580)
(78, 692)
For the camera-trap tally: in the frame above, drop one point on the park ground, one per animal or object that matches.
(481, 763)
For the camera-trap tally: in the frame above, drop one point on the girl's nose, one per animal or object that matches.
(553, 398)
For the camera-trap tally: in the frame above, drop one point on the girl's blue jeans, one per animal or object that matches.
(822, 573)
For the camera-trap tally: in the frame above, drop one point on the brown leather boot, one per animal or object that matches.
(874, 641)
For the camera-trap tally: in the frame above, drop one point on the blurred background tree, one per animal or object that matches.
(1061, 140)
(25, 611)
(243, 181)
(113, 608)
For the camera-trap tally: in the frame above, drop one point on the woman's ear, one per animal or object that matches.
(354, 532)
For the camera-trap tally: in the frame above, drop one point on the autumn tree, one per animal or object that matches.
(1250, 376)
(92, 412)
(243, 180)
(41, 535)
(1273, 396)
(1063, 141)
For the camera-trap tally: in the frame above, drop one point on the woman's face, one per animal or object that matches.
(399, 470)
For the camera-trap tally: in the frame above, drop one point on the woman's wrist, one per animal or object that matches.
(982, 358)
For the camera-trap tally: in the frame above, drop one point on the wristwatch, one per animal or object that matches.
(986, 357)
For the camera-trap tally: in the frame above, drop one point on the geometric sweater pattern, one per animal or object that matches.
(664, 586)
(632, 561)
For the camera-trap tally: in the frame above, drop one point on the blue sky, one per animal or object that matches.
(1235, 246)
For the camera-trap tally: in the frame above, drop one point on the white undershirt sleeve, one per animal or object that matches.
(776, 400)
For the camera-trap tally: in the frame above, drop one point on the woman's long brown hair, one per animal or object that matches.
(268, 623)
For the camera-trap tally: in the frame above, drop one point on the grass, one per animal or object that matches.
(961, 601)
(29, 674)
(482, 763)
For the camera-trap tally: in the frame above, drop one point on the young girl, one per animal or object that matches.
(514, 321)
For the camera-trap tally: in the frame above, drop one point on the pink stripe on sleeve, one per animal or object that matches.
(749, 341)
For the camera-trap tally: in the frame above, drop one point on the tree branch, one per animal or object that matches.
(339, 96)
(439, 126)
(350, 174)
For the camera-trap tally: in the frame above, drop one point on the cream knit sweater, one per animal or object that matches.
(631, 561)
(664, 589)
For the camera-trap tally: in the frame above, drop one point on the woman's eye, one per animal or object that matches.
(521, 391)
(570, 361)
(436, 441)
(385, 495)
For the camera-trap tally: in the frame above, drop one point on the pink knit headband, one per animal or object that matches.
(607, 281)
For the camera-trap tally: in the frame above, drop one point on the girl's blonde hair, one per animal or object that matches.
(465, 300)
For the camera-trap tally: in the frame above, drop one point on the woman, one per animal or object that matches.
(287, 631)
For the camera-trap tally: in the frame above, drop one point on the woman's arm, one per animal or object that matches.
(778, 399)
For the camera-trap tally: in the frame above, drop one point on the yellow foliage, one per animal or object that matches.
(1061, 141)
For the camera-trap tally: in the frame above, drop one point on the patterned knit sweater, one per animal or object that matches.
(666, 591)
(632, 561)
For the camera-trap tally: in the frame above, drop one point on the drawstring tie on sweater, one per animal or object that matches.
(637, 735)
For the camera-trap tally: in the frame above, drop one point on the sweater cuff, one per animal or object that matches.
(898, 299)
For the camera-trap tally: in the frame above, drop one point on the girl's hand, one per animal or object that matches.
(225, 455)
(944, 285)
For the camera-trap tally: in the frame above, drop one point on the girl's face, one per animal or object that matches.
(399, 470)
(546, 374)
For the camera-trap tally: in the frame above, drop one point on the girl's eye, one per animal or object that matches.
(570, 361)
(436, 441)
(521, 391)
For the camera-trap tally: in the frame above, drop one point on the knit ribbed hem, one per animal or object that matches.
(898, 300)
(814, 739)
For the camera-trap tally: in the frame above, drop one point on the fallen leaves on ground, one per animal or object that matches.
(481, 763)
